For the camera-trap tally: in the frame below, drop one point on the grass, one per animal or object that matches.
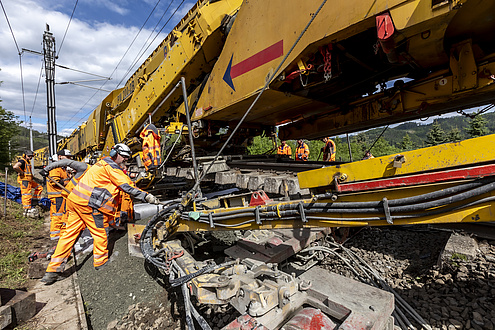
(18, 237)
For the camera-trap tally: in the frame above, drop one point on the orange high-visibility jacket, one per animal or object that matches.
(99, 187)
(28, 175)
(57, 174)
(80, 168)
(151, 146)
(302, 152)
(329, 151)
(284, 150)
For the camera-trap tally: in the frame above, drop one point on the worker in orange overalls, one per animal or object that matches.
(88, 203)
(151, 147)
(284, 149)
(57, 205)
(302, 151)
(78, 169)
(125, 211)
(27, 182)
(329, 150)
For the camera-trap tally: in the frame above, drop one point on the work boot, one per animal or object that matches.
(51, 277)
(102, 266)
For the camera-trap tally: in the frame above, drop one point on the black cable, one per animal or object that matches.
(140, 52)
(37, 89)
(20, 60)
(379, 136)
(135, 37)
(67, 28)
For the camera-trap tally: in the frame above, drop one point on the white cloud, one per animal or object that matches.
(94, 47)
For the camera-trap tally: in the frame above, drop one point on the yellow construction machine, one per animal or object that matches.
(232, 69)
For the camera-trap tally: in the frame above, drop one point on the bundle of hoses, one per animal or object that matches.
(366, 274)
(433, 203)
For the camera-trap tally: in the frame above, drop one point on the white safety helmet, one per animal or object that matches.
(121, 149)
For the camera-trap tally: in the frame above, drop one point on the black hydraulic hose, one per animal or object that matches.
(445, 201)
(186, 278)
(355, 205)
(366, 219)
(346, 208)
(145, 243)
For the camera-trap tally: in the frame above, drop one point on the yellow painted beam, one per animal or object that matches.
(471, 151)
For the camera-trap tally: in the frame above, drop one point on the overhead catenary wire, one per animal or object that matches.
(37, 89)
(142, 52)
(268, 81)
(20, 59)
(92, 96)
(67, 28)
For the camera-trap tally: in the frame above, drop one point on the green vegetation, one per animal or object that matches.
(16, 232)
(8, 129)
(404, 137)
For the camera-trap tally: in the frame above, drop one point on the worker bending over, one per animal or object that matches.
(151, 147)
(27, 182)
(302, 151)
(78, 169)
(88, 203)
(284, 149)
(329, 150)
(57, 202)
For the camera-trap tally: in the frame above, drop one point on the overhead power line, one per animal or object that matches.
(156, 36)
(37, 89)
(67, 29)
(119, 64)
(20, 60)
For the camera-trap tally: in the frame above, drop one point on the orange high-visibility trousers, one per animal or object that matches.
(57, 210)
(27, 194)
(79, 217)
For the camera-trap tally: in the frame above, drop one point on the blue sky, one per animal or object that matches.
(98, 36)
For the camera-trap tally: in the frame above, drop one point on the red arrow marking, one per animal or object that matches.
(266, 55)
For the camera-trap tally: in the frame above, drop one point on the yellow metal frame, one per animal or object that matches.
(471, 151)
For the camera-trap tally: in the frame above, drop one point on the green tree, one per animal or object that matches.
(477, 127)
(454, 135)
(436, 135)
(382, 148)
(407, 143)
(9, 127)
(260, 145)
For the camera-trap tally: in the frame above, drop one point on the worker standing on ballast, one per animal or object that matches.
(302, 151)
(284, 149)
(329, 150)
(151, 147)
(57, 202)
(27, 182)
(88, 203)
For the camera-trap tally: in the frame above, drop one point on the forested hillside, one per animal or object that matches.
(406, 136)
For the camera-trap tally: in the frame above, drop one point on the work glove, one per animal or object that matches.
(322, 149)
(299, 156)
(43, 172)
(151, 199)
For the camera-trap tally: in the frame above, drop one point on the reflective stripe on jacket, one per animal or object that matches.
(284, 150)
(28, 175)
(303, 151)
(151, 146)
(57, 174)
(99, 187)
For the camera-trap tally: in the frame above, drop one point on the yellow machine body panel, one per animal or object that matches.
(189, 48)
(254, 50)
(464, 153)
